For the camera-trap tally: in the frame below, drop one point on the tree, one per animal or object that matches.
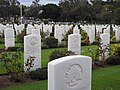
(34, 9)
(51, 11)
(9, 8)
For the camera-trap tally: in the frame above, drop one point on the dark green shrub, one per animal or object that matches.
(44, 46)
(12, 63)
(43, 35)
(20, 36)
(62, 44)
(113, 60)
(2, 38)
(116, 50)
(51, 42)
(58, 54)
(113, 39)
(45, 21)
(14, 48)
(83, 43)
(95, 43)
(83, 35)
(39, 74)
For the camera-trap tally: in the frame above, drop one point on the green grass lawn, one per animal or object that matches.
(45, 53)
(102, 79)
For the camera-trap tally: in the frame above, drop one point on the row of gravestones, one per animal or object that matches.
(67, 73)
(9, 33)
(61, 30)
(76, 74)
(32, 45)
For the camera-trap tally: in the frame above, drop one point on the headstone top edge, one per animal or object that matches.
(32, 35)
(60, 60)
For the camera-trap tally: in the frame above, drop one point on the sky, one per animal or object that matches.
(43, 2)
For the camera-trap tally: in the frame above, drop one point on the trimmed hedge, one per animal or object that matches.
(113, 60)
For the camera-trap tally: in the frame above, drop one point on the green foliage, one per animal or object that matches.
(83, 35)
(102, 49)
(113, 39)
(113, 60)
(116, 50)
(70, 31)
(29, 63)
(58, 54)
(39, 74)
(94, 54)
(43, 35)
(51, 11)
(45, 21)
(1, 38)
(62, 44)
(51, 42)
(14, 67)
(20, 36)
(14, 48)
(100, 52)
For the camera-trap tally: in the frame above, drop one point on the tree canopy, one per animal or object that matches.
(94, 11)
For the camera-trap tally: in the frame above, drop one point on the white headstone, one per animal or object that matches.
(117, 34)
(29, 29)
(107, 30)
(36, 31)
(105, 42)
(74, 43)
(76, 30)
(70, 73)
(105, 38)
(32, 48)
(9, 37)
(58, 33)
(47, 28)
(91, 34)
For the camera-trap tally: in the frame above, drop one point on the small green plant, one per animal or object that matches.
(20, 36)
(70, 31)
(29, 63)
(43, 35)
(94, 55)
(1, 38)
(116, 50)
(102, 50)
(39, 74)
(12, 63)
(58, 54)
(51, 42)
(83, 35)
(113, 60)
(113, 39)
(100, 53)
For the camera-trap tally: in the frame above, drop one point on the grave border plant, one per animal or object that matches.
(11, 61)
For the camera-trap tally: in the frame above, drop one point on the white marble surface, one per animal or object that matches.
(32, 48)
(70, 73)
